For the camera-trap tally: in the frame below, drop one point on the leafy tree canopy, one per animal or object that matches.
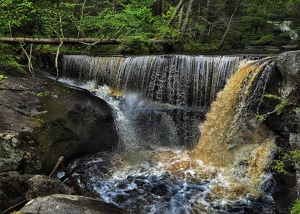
(194, 22)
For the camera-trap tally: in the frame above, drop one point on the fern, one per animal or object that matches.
(296, 207)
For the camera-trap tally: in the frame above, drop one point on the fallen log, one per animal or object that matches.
(57, 40)
(87, 41)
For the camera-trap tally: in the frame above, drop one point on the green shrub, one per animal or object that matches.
(7, 62)
(2, 77)
(285, 156)
(263, 40)
(296, 207)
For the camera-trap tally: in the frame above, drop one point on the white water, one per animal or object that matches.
(136, 179)
(285, 26)
(178, 87)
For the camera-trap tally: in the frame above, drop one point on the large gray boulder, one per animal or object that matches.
(66, 204)
(288, 64)
(41, 121)
(45, 121)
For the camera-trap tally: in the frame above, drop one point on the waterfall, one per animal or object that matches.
(224, 172)
(184, 85)
(285, 26)
(179, 80)
(230, 135)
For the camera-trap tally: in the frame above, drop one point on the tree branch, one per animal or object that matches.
(30, 67)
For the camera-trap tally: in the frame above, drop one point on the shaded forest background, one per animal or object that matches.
(140, 25)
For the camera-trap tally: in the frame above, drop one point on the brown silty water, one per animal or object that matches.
(229, 161)
(232, 142)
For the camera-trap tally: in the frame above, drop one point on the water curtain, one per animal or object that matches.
(177, 80)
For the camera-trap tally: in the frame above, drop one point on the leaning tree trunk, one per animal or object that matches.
(188, 13)
(178, 7)
(206, 22)
(180, 18)
(221, 43)
(81, 17)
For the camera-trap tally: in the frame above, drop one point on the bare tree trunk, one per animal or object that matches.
(81, 17)
(30, 66)
(58, 48)
(180, 18)
(187, 15)
(9, 22)
(178, 7)
(205, 18)
(228, 25)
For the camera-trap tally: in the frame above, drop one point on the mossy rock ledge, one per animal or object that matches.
(42, 121)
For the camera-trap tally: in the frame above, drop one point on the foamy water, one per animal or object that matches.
(152, 174)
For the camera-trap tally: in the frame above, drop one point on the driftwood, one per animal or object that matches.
(60, 163)
(16, 206)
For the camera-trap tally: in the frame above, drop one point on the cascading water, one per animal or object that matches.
(185, 85)
(151, 172)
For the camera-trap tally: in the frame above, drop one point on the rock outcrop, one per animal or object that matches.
(41, 121)
(288, 64)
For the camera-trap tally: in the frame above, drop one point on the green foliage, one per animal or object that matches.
(43, 94)
(7, 62)
(260, 118)
(272, 96)
(278, 164)
(278, 109)
(135, 19)
(17, 14)
(2, 77)
(279, 167)
(296, 207)
(148, 19)
(263, 39)
(163, 30)
(281, 106)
